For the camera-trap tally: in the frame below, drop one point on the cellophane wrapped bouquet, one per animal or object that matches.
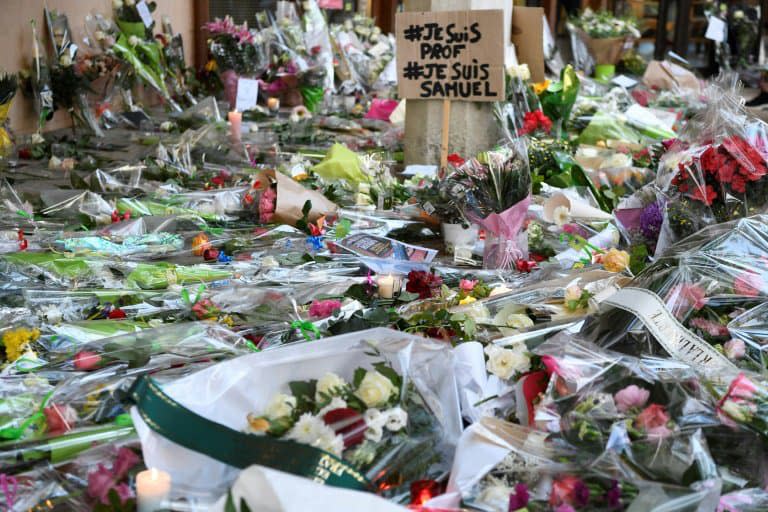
(494, 191)
(377, 407)
(718, 169)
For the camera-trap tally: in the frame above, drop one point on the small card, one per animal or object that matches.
(624, 81)
(716, 29)
(146, 16)
(420, 170)
(247, 94)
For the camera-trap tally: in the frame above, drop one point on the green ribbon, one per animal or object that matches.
(175, 422)
(306, 327)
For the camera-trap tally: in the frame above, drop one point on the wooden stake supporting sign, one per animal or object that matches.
(445, 133)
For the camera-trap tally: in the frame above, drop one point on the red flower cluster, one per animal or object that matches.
(536, 120)
(426, 284)
(726, 168)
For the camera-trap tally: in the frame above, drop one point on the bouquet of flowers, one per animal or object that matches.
(360, 415)
(236, 53)
(718, 170)
(604, 35)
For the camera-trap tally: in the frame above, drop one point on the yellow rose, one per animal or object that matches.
(467, 300)
(615, 260)
(280, 406)
(375, 389)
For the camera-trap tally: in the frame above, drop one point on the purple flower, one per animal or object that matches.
(581, 494)
(651, 219)
(613, 495)
(519, 499)
(324, 308)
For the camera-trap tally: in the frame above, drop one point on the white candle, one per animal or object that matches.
(388, 286)
(152, 488)
(235, 122)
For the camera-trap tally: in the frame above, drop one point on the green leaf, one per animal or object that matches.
(307, 208)
(407, 296)
(229, 506)
(390, 373)
(244, 506)
(357, 378)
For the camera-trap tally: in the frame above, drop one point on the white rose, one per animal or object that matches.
(504, 363)
(737, 15)
(117, 4)
(328, 385)
(518, 321)
(130, 3)
(280, 406)
(396, 419)
(37, 138)
(375, 389)
(65, 60)
(133, 40)
(374, 433)
(573, 292)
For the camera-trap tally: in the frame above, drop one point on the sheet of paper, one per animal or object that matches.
(624, 81)
(146, 16)
(420, 170)
(715, 29)
(247, 94)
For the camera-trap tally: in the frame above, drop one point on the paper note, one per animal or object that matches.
(146, 16)
(624, 81)
(247, 94)
(716, 29)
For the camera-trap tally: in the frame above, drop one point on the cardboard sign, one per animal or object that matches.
(247, 94)
(527, 30)
(455, 55)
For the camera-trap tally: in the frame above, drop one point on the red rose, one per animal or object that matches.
(86, 360)
(706, 196)
(748, 284)
(116, 314)
(566, 490)
(534, 384)
(348, 423)
(455, 160)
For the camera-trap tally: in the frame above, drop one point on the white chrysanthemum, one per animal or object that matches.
(397, 418)
(280, 406)
(504, 363)
(307, 430)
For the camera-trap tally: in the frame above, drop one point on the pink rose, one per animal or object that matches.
(267, 204)
(735, 349)
(323, 308)
(86, 360)
(631, 397)
(467, 284)
(653, 421)
(741, 388)
(125, 460)
(59, 418)
(568, 490)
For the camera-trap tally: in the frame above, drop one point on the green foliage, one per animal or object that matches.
(558, 99)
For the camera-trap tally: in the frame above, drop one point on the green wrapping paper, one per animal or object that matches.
(162, 275)
(341, 163)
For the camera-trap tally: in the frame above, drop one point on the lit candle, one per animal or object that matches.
(388, 286)
(152, 488)
(235, 121)
(273, 104)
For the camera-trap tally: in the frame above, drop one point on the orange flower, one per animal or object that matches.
(199, 244)
(540, 87)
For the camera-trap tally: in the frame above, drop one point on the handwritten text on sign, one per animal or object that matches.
(451, 55)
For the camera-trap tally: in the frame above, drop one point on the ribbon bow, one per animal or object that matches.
(306, 327)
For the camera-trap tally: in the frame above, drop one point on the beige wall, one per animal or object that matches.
(16, 40)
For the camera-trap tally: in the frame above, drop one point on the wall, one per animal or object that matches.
(16, 38)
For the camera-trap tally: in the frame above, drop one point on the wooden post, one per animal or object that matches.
(445, 134)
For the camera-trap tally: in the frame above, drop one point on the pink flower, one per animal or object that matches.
(267, 203)
(565, 491)
(748, 284)
(59, 418)
(733, 502)
(125, 460)
(124, 492)
(741, 388)
(86, 360)
(324, 308)
(467, 284)
(710, 327)
(735, 349)
(684, 296)
(100, 482)
(631, 397)
(565, 508)
(653, 420)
